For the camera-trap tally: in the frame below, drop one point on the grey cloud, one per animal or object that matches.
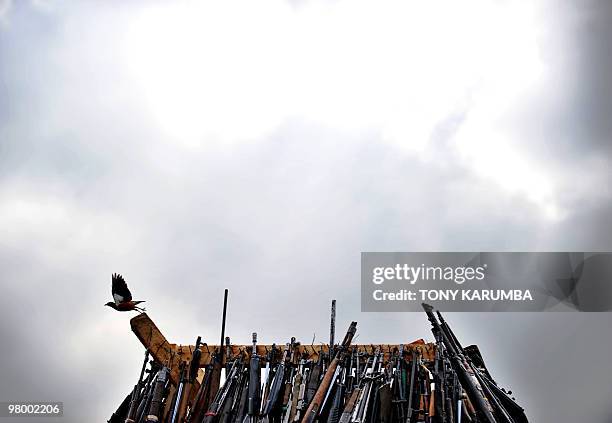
(269, 232)
(279, 218)
(5, 8)
(593, 91)
(567, 116)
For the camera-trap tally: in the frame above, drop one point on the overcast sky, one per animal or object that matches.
(261, 146)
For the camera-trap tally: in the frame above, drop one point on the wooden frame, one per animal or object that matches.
(172, 355)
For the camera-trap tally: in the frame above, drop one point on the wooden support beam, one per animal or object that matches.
(160, 349)
(172, 354)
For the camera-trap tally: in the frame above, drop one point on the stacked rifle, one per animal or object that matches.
(339, 384)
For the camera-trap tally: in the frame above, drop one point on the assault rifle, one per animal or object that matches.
(289, 381)
(268, 376)
(505, 409)
(314, 378)
(412, 391)
(240, 407)
(237, 377)
(369, 379)
(118, 415)
(158, 394)
(275, 387)
(254, 396)
(136, 393)
(439, 396)
(228, 355)
(385, 402)
(223, 395)
(466, 373)
(399, 385)
(143, 406)
(212, 376)
(200, 405)
(179, 393)
(349, 374)
(194, 367)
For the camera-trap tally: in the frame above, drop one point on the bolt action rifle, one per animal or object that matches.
(349, 408)
(332, 328)
(313, 409)
(337, 405)
(295, 391)
(214, 381)
(301, 402)
(329, 391)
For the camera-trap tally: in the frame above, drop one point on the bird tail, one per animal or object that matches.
(138, 302)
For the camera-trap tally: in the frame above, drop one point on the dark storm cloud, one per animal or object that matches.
(568, 116)
(593, 90)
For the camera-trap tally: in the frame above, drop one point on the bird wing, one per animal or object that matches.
(121, 293)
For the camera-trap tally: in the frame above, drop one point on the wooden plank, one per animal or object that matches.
(172, 354)
(160, 349)
(310, 352)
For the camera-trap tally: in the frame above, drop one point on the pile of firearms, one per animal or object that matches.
(343, 384)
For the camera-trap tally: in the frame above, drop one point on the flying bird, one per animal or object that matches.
(122, 296)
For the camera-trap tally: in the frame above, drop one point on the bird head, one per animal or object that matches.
(111, 305)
